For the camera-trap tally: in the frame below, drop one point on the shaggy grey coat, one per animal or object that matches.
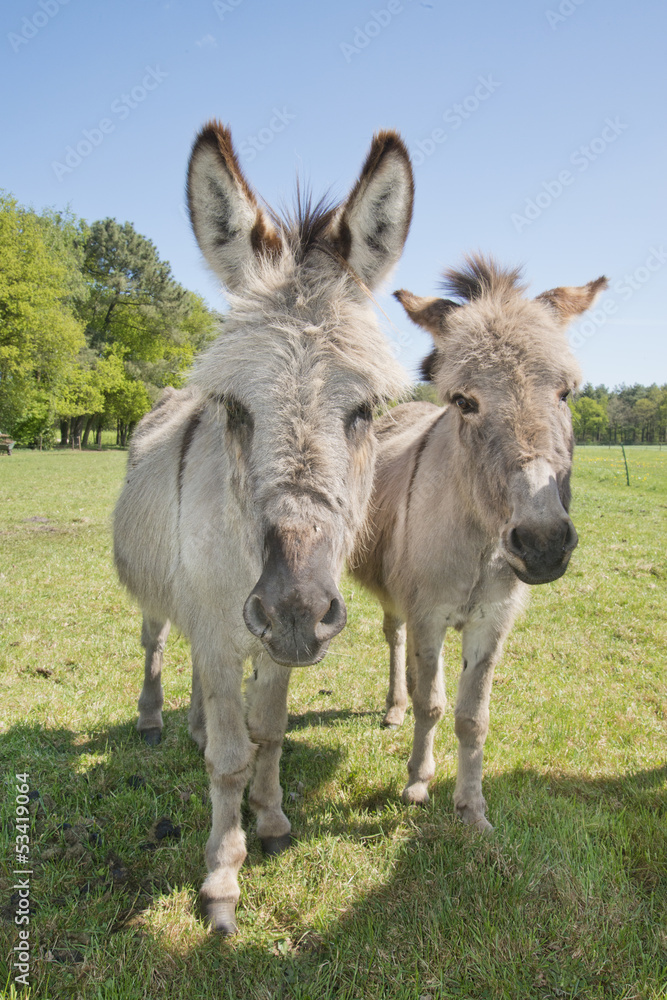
(245, 491)
(470, 502)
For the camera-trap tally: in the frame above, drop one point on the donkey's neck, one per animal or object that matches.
(455, 480)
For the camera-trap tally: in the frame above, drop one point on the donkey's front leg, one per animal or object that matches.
(482, 646)
(397, 696)
(196, 719)
(428, 703)
(153, 638)
(229, 756)
(266, 698)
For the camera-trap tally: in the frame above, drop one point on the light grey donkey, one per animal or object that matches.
(245, 491)
(470, 502)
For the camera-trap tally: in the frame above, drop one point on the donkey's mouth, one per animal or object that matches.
(295, 656)
(535, 575)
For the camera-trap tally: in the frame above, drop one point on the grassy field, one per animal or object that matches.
(567, 899)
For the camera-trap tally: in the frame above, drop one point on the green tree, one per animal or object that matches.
(135, 310)
(588, 417)
(39, 333)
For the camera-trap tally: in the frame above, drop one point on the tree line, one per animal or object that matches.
(93, 326)
(635, 414)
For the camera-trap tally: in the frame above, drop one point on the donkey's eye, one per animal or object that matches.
(564, 396)
(359, 419)
(465, 404)
(238, 417)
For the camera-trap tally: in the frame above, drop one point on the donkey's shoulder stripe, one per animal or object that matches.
(188, 435)
(418, 456)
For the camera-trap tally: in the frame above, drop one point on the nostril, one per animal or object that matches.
(571, 538)
(333, 620)
(332, 614)
(256, 618)
(514, 542)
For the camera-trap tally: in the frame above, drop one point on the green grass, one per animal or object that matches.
(568, 899)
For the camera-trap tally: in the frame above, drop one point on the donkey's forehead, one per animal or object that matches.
(290, 357)
(492, 343)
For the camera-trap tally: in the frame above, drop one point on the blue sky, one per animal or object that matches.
(537, 131)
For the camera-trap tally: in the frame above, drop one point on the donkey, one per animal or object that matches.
(245, 491)
(470, 502)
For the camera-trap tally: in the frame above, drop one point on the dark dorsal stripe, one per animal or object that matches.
(420, 450)
(188, 435)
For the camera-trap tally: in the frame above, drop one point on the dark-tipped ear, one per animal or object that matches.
(567, 303)
(370, 229)
(229, 225)
(431, 314)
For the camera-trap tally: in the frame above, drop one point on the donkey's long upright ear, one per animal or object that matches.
(371, 228)
(567, 303)
(229, 225)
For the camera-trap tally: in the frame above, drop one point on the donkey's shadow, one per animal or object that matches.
(133, 785)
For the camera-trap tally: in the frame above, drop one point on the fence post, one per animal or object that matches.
(627, 474)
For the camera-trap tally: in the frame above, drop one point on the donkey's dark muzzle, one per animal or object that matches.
(540, 554)
(295, 607)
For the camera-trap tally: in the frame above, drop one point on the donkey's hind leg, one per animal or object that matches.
(397, 696)
(153, 639)
(266, 699)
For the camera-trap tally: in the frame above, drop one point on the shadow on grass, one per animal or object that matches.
(524, 913)
(328, 717)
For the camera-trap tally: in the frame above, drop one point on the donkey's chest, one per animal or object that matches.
(470, 592)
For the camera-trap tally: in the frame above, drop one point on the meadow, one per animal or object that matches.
(567, 898)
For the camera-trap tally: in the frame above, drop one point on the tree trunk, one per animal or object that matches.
(64, 433)
(98, 435)
(75, 432)
(86, 433)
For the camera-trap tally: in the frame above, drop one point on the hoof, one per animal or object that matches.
(221, 914)
(393, 719)
(476, 820)
(276, 845)
(415, 795)
(152, 736)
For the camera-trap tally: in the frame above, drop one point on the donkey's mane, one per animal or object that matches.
(303, 224)
(482, 276)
